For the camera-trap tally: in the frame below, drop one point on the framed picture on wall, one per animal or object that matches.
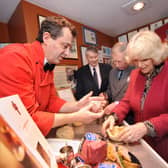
(165, 20)
(123, 38)
(66, 94)
(83, 55)
(100, 56)
(64, 76)
(166, 39)
(106, 51)
(89, 36)
(73, 51)
(131, 34)
(144, 28)
(4, 44)
(40, 19)
(156, 25)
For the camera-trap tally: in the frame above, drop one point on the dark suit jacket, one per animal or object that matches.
(85, 81)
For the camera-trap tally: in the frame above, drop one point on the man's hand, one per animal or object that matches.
(133, 133)
(105, 102)
(108, 124)
(86, 100)
(85, 116)
(109, 108)
(75, 106)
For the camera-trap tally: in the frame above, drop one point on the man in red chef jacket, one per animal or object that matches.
(26, 69)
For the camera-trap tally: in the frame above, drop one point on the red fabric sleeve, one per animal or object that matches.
(55, 102)
(160, 124)
(44, 120)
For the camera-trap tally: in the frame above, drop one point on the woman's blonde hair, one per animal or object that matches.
(146, 45)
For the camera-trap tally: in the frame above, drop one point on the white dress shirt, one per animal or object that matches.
(97, 68)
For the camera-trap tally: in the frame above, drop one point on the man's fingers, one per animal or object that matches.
(100, 114)
(86, 96)
(107, 111)
(104, 102)
(97, 98)
(88, 107)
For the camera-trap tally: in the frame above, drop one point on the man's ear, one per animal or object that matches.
(46, 37)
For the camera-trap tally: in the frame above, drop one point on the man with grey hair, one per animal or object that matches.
(93, 76)
(118, 77)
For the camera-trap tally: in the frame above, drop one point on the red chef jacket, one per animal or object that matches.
(21, 72)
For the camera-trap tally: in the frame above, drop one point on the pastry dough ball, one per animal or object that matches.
(79, 131)
(65, 132)
(77, 124)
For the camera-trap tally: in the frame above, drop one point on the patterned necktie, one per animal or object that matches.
(120, 73)
(48, 67)
(95, 77)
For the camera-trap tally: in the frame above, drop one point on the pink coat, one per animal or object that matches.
(155, 106)
(21, 72)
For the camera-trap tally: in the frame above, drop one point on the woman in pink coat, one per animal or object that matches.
(147, 94)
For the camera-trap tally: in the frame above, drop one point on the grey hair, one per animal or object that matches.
(120, 46)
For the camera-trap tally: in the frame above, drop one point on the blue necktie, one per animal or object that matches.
(120, 73)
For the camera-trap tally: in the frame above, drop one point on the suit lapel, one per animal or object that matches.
(88, 71)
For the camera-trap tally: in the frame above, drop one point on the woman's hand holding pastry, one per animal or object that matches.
(132, 133)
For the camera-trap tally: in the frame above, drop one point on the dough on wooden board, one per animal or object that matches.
(66, 132)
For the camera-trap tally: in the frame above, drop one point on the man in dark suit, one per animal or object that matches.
(93, 76)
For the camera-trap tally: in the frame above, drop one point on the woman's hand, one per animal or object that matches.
(109, 123)
(133, 133)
